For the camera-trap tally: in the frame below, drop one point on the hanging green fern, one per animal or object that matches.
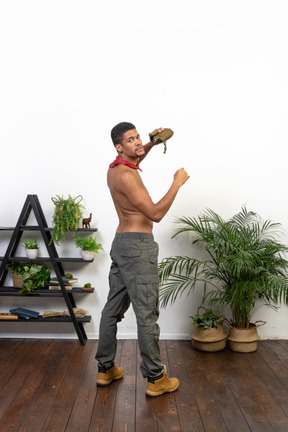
(66, 216)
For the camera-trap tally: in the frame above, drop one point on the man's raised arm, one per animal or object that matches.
(147, 147)
(138, 196)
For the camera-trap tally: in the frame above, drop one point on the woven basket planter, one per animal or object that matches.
(17, 280)
(244, 339)
(209, 340)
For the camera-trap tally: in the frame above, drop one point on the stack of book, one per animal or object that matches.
(54, 283)
(24, 313)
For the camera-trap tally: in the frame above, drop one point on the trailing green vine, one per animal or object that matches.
(66, 216)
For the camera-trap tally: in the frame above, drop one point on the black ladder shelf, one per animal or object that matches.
(32, 203)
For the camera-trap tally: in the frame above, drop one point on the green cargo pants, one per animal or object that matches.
(133, 279)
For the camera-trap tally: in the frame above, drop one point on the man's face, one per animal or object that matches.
(131, 145)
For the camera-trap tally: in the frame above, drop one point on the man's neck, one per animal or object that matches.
(134, 161)
(121, 161)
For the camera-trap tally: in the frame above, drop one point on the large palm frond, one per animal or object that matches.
(245, 262)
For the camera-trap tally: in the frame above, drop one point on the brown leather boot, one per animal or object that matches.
(106, 376)
(161, 386)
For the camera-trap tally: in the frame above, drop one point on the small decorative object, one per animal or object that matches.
(66, 216)
(69, 276)
(86, 222)
(89, 247)
(209, 334)
(31, 247)
(87, 286)
(162, 137)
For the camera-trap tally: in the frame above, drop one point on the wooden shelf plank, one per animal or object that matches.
(58, 319)
(49, 229)
(42, 292)
(48, 259)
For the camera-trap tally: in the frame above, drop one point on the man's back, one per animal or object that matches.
(120, 181)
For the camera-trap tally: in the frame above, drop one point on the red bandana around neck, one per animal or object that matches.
(121, 161)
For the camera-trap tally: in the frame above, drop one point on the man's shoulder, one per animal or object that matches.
(121, 170)
(120, 175)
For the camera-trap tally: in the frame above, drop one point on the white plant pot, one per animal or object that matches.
(87, 256)
(32, 253)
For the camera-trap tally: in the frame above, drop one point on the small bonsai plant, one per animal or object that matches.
(66, 216)
(88, 245)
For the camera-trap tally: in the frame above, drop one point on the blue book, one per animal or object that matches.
(22, 312)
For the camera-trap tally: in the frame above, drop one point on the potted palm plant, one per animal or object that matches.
(244, 265)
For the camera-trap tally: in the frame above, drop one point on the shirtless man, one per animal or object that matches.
(133, 275)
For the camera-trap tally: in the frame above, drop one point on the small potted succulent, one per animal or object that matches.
(88, 246)
(31, 247)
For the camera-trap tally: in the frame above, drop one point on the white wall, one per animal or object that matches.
(215, 72)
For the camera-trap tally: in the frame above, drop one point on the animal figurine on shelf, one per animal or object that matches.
(86, 222)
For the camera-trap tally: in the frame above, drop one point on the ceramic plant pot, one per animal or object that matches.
(32, 253)
(87, 256)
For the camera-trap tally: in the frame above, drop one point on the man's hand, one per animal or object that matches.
(155, 133)
(180, 177)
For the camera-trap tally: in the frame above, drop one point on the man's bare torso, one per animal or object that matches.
(130, 219)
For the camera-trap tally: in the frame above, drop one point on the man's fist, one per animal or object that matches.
(181, 176)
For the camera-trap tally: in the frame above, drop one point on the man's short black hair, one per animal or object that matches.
(119, 130)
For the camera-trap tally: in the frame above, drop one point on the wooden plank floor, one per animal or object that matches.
(49, 385)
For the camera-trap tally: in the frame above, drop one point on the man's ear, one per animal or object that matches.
(118, 148)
